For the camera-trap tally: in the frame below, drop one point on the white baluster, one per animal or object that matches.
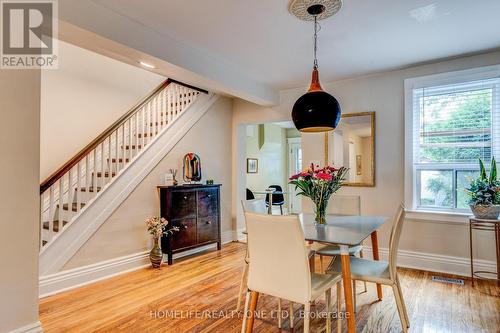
(51, 214)
(78, 191)
(61, 201)
(94, 167)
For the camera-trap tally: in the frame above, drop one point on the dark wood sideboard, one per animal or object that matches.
(195, 210)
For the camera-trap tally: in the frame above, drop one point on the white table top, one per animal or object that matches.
(344, 230)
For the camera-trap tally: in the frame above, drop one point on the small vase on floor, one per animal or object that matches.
(156, 255)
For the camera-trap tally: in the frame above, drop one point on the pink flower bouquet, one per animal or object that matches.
(319, 184)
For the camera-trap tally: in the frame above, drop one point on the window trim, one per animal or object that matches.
(410, 179)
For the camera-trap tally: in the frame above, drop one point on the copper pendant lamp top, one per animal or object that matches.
(315, 85)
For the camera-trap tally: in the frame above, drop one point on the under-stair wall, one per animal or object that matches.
(121, 242)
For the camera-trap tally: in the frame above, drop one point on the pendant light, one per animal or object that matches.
(317, 110)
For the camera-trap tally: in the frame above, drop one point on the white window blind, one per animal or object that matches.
(453, 125)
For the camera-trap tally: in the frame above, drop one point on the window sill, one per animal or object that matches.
(438, 217)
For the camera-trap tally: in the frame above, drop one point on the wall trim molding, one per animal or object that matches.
(434, 262)
(78, 277)
(35, 327)
(55, 255)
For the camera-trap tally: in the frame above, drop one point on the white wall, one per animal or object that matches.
(272, 157)
(383, 93)
(19, 197)
(124, 233)
(84, 96)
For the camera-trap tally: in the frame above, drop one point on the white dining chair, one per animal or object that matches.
(258, 206)
(285, 274)
(381, 272)
(342, 205)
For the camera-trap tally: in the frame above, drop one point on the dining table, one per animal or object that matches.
(344, 231)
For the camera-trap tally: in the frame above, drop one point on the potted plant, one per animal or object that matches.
(484, 193)
(318, 185)
(157, 227)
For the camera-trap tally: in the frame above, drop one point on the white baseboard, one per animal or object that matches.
(81, 276)
(434, 262)
(35, 327)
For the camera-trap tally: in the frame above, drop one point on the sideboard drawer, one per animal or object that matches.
(186, 236)
(207, 229)
(207, 202)
(183, 204)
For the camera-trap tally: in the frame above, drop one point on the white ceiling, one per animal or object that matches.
(273, 48)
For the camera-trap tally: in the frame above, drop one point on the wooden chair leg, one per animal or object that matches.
(354, 294)
(361, 256)
(321, 264)
(291, 314)
(307, 316)
(399, 305)
(281, 209)
(339, 307)
(245, 313)
(328, 298)
(243, 283)
(398, 285)
(279, 313)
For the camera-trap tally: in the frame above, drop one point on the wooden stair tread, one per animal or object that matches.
(127, 147)
(120, 160)
(140, 135)
(156, 123)
(88, 189)
(106, 174)
(74, 206)
(55, 225)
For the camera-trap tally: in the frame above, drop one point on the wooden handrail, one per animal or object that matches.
(52, 179)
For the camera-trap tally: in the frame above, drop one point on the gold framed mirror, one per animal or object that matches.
(352, 144)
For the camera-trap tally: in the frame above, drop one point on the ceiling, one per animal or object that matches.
(273, 48)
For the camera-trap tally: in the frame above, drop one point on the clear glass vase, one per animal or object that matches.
(320, 211)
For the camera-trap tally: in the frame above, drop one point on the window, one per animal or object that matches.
(452, 120)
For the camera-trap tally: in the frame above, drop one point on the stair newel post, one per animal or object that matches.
(42, 219)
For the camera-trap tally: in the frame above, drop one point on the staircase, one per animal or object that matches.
(81, 182)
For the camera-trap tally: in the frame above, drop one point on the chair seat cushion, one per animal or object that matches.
(322, 282)
(363, 270)
(334, 250)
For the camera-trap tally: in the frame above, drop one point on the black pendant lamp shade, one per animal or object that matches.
(317, 110)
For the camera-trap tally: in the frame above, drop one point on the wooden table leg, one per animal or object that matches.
(346, 277)
(254, 297)
(376, 257)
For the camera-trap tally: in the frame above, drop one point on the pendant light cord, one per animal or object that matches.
(317, 29)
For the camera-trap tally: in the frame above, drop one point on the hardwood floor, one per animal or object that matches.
(198, 294)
